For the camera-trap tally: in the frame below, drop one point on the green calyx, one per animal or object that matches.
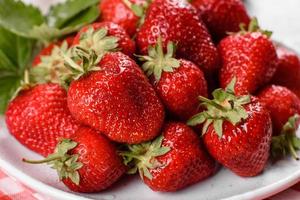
(99, 41)
(225, 105)
(138, 9)
(142, 157)
(287, 142)
(65, 164)
(157, 62)
(51, 67)
(254, 27)
(80, 62)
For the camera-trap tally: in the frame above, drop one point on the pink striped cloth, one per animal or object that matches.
(12, 189)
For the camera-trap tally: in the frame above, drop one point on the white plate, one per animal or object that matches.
(224, 185)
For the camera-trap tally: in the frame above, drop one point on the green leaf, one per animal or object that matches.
(15, 54)
(62, 14)
(138, 10)
(48, 33)
(5, 62)
(17, 50)
(8, 86)
(218, 127)
(196, 119)
(230, 86)
(19, 18)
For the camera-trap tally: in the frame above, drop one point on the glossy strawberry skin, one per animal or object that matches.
(177, 21)
(243, 148)
(288, 72)
(102, 166)
(186, 163)
(179, 90)
(117, 12)
(39, 117)
(126, 45)
(222, 16)
(118, 101)
(282, 104)
(48, 50)
(251, 58)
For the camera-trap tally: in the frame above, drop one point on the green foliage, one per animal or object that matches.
(225, 106)
(21, 25)
(142, 157)
(15, 54)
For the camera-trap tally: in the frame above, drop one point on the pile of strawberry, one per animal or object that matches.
(137, 91)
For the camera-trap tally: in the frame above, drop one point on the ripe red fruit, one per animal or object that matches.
(248, 56)
(87, 162)
(222, 16)
(126, 13)
(39, 117)
(288, 72)
(173, 161)
(237, 131)
(115, 98)
(105, 37)
(282, 104)
(177, 82)
(177, 21)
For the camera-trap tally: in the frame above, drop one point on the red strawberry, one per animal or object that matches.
(115, 99)
(222, 16)
(173, 161)
(282, 104)
(126, 13)
(39, 116)
(177, 82)
(288, 72)
(248, 56)
(105, 37)
(87, 162)
(177, 21)
(49, 64)
(51, 50)
(237, 131)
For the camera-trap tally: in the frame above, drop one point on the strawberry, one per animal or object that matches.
(177, 21)
(288, 72)
(50, 51)
(126, 13)
(250, 56)
(237, 131)
(114, 97)
(222, 16)
(177, 82)
(49, 64)
(173, 161)
(86, 162)
(105, 37)
(39, 116)
(282, 104)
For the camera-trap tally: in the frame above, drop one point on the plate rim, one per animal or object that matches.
(51, 191)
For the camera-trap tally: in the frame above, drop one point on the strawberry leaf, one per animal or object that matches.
(15, 54)
(19, 18)
(47, 33)
(70, 9)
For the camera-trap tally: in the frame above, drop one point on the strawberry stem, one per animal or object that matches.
(49, 159)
